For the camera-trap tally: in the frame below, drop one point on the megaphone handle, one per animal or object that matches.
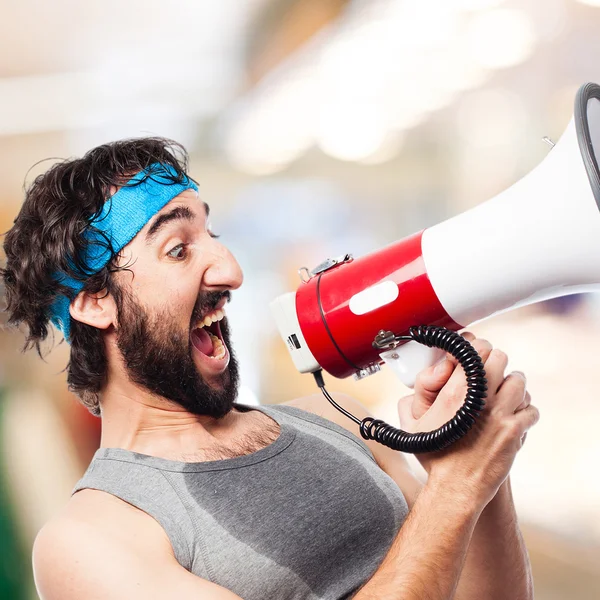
(458, 426)
(408, 360)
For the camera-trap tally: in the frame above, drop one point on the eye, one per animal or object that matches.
(178, 252)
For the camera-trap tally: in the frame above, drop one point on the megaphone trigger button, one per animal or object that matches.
(329, 263)
(304, 274)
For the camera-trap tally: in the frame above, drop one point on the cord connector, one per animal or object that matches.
(318, 375)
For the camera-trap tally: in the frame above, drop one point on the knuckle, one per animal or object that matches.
(513, 430)
(500, 354)
(484, 349)
(453, 396)
(516, 382)
(535, 414)
(506, 437)
(481, 343)
(494, 410)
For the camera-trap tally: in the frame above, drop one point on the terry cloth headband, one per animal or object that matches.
(124, 214)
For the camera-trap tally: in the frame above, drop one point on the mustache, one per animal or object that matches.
(208, 302)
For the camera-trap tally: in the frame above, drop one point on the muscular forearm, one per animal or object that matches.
(497, 565)
(427, 557)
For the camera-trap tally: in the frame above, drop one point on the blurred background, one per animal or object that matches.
(315, 128)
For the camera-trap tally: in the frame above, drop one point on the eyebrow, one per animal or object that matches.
(179, 213)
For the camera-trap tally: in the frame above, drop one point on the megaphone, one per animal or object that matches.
(402, 305)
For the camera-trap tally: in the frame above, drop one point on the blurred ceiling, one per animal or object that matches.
(67, 64)
(262, 83)
(77, 74)
(74, 74)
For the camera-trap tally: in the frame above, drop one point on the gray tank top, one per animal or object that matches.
(311, 516)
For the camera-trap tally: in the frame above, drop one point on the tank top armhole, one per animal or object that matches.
(202, 553)
(162, 514)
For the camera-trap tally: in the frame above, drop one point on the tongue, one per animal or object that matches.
(202, 341)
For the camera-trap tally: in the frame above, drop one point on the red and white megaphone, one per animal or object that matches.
(537, 240)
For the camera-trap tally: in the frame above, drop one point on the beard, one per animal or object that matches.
(158, 356)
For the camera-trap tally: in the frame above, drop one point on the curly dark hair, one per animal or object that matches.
(49, 237)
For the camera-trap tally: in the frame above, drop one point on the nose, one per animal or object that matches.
(223, 271)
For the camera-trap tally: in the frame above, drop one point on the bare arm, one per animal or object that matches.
(73, 560)
(467, 561)
(497, 560)
(497, 563)
(454, 545)
(426, 558)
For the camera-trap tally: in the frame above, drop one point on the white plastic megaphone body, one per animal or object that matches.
(537, 240)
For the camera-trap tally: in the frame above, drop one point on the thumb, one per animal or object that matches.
(405, 412)
(428, 384)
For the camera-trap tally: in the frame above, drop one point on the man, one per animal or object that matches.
(192, 495)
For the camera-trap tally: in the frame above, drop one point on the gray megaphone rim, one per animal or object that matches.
(585, 93)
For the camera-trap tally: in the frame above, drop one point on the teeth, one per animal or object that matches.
(218, 346)
(219, 349)
(213, 317)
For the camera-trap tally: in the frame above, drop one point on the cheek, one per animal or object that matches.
(161, 295)
(160, 282)
(166, 288)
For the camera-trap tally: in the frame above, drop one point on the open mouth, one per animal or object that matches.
(208, 340)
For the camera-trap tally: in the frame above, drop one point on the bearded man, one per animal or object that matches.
(193, 495)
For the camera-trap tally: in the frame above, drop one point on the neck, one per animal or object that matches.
(136, 420)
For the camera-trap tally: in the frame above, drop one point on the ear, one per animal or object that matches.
(96, 309)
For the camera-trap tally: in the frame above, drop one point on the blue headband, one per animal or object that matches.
(124, 214)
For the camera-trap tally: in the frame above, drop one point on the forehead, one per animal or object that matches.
(188, 198)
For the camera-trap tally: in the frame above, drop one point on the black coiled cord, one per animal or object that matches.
(459, 425)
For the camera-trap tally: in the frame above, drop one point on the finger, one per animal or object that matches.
(527, 418)
(494, 366)
(511, 393)
(405, 412)
(428, 384)
(526, 402)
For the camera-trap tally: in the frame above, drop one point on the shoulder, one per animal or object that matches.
(94, 533)
(394, 463)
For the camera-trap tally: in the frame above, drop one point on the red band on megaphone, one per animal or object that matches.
(339, 334)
